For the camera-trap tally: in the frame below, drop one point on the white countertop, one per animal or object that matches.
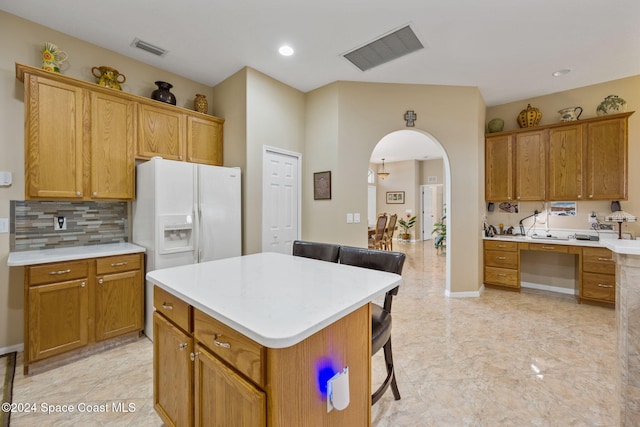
(564, 237)
(44, 256)
(275, 299)
(625, 247)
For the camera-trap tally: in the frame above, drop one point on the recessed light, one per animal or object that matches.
(561, 72)
(286, 50)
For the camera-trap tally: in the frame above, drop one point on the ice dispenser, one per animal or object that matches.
(176, 233)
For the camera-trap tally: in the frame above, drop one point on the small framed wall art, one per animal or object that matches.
(322, 185)
(395, 197)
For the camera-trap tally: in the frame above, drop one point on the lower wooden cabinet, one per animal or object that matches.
(69, 305)
(598, 281)
(502, 263)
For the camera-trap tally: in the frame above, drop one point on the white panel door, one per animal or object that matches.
(280, 200)
(431, 200)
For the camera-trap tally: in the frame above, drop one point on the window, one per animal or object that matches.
(371, 177)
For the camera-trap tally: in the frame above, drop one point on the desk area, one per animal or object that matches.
(593, 263)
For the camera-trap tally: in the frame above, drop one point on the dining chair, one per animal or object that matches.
(376, 241)
(387, 241)
(316, 250)
(380, 316)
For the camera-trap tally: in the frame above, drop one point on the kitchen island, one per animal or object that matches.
(257, 337)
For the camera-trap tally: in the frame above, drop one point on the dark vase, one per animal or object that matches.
(162, 94)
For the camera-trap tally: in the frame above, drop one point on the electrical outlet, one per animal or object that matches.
(4, 225)
(593, 219)
(356, 218)
(349, 218)
(59, 223)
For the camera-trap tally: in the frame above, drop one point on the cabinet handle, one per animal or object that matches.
(591, 196)
(100, 281)
(502, 275)
(83, 284)
(601, 285)
(550, 248)
(183, 346)
(78, 193)
(218, 343)
(194, 355)
(167, 306)
(501, 257)
(119, 264)
(179, 157)
(502, 246)
(605, 259)
(60, 272)
(579, 196)
(95, 193)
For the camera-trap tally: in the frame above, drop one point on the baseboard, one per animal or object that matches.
(540, 287)
(473, 294)
(12, 348)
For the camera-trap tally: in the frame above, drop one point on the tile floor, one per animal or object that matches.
(504, 359)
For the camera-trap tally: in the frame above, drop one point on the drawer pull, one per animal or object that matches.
(219, 343)
(502, 246)
(167, 306)
(194, 355)
(101, 281)
(60, 272)
(83, 284)
(183, 346)
(601, 285)
(605, 259)
(502, 275)
(119, 264)
(501, 257)
(548, 248)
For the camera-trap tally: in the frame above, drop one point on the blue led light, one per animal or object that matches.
(324, 372)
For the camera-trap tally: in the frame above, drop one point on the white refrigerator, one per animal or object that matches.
(185, 213)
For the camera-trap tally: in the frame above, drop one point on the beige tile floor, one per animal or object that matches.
(504, 359)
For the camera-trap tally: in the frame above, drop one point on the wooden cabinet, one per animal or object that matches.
(204, 140)
(585, 160)
(530, 165)
(501, 263)
(566, 163)
(69, 305)
(118, 296)
(172, 373)
(598, 281)
(607, 159)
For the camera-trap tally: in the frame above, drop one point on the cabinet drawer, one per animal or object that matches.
(501, 276)
(546, 247)
(501, 259)
(115, 264)
(599, 286)
(242, 353)
(500, 245)
(598, 260)
(173, 308)
(57, 272)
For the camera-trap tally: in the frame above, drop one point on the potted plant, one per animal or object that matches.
(440, 230)
(406, 226)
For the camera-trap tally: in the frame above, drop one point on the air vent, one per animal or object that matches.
(148, 47)
(385, 49)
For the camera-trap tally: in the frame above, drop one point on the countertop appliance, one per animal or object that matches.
(185, 213)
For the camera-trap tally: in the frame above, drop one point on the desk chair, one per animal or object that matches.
(316, 250)
(380, 316)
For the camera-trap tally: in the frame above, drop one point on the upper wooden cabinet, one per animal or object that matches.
(204, 140)
(579, 160)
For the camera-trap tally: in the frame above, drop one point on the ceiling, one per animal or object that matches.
(507, 49)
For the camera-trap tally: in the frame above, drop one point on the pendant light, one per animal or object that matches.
(383, 174)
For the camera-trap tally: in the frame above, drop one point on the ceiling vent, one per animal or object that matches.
(148, 47)
(385, 49)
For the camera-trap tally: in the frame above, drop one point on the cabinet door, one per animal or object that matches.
(499, 168)
(118, 304)
(607, 159)
(160, 133)
(172, 373)
(112, 145)
(224, 398)
(57, 319)
(53, 146)
(530, 165)
(204, 141)
(566, 159)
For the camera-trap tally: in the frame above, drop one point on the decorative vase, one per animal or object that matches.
(529, 117)
(162, 94)
(612, 104)
(108, 77)
(495, 125)
(52, 57)
(200, 104)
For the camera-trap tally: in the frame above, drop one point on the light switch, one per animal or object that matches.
(356, 218)
(4, 225)
(349, 218)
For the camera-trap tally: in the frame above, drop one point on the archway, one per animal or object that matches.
(406, 152)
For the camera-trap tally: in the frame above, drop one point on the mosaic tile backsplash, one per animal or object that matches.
(88, 223)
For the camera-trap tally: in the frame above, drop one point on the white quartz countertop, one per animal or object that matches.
(275, 299)
(560, 237)
(625, 247)
(44, 256)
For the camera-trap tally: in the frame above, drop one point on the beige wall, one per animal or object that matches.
(588, 98)
(20, 41)
(429, 168)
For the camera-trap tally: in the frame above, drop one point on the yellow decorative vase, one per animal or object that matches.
(108, 77)
(529, 117)
(200, 104)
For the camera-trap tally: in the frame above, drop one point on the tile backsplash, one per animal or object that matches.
(88, 223)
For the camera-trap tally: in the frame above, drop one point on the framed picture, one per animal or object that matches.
(395, 197)
(322, 185)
